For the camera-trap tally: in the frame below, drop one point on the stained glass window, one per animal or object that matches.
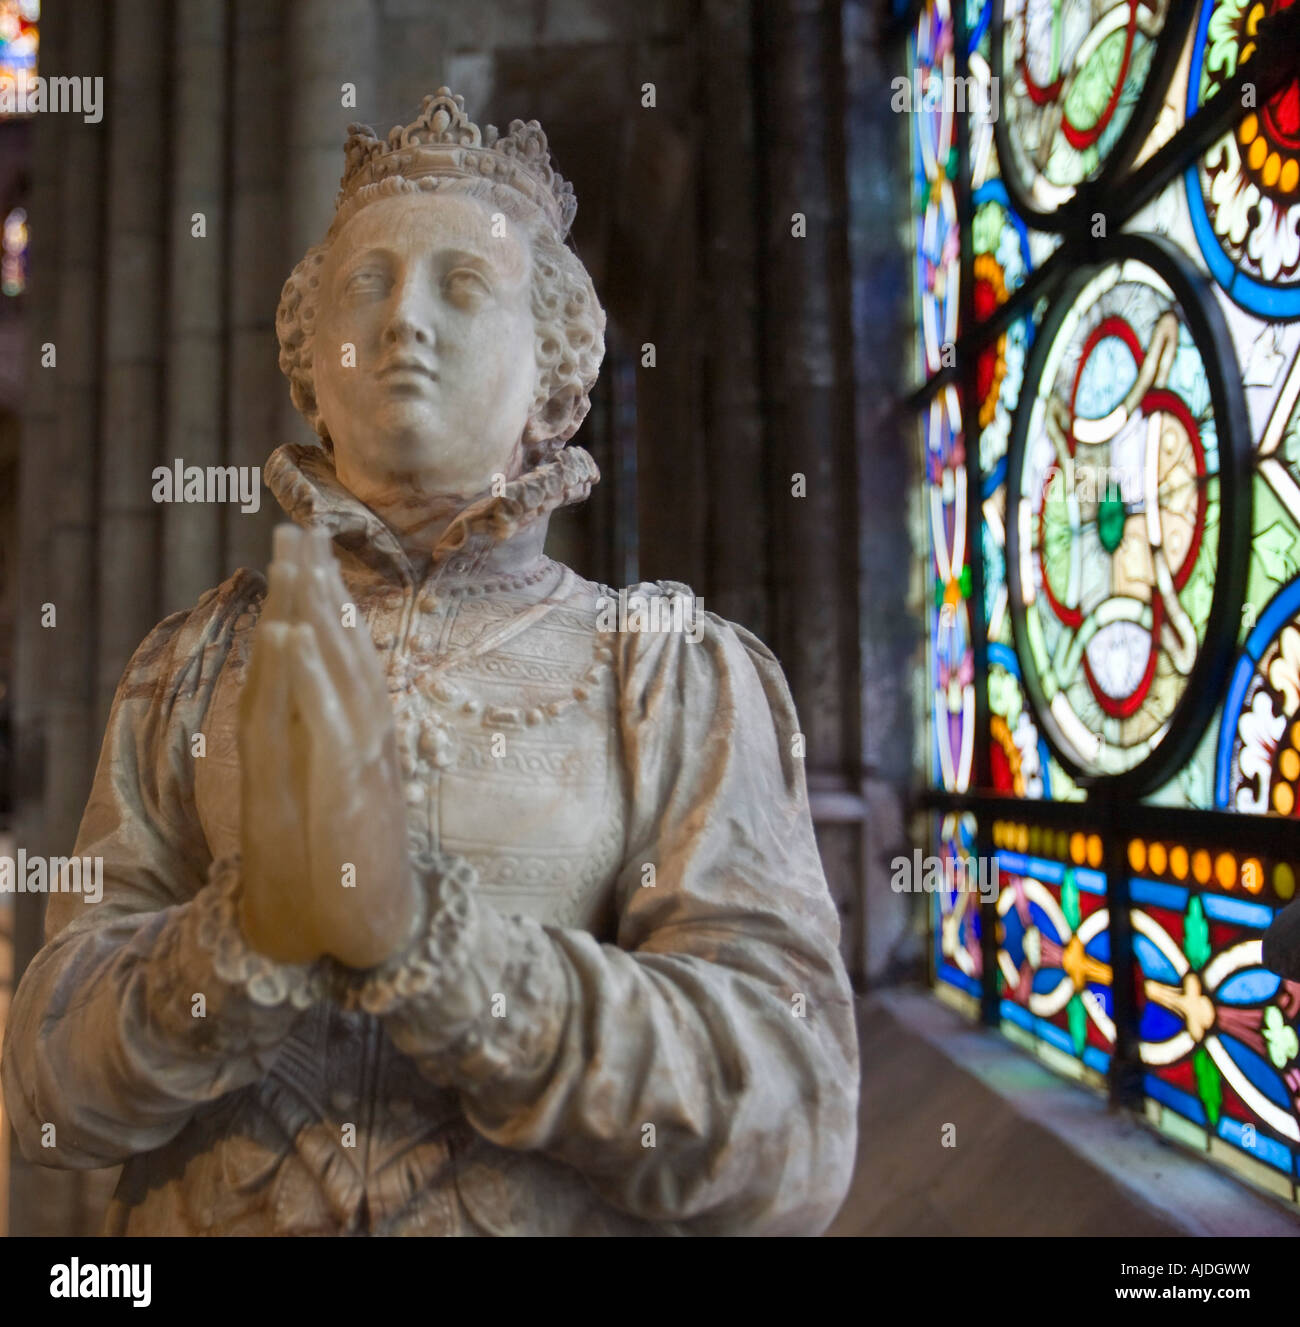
(13, 252)
(1217, 1036)
(19, 42)
(1106, 221)
(957, 928)
(1053, 942)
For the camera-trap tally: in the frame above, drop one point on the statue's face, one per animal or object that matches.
(437, 391)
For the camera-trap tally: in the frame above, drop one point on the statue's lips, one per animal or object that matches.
(408, 373)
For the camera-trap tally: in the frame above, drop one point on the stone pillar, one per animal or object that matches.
(256, 262)
(654, 282)
(194, 413)
(737, 528)
(877, 155)
(69, 576)
(128, 523)
(808, 403)
(136, 212)
(326, 46)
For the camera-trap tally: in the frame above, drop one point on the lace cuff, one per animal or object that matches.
(209, 991)
(477, 997)
(445, 932)
(214, 927)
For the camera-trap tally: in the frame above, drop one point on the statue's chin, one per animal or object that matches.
(425, 462)
(409, 422)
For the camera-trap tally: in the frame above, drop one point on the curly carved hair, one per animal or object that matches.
(569, 343)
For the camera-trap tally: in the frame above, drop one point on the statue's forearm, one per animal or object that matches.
(108, 1052)
(678, 1079)
(122, 1027)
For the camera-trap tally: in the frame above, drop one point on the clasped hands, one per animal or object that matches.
(323, 828)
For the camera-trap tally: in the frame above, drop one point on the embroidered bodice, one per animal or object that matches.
(627, 1013)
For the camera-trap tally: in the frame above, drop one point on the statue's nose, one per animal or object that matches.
(411, 322)
(1281, 946)
(405, 329)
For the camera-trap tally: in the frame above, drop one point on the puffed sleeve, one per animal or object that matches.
(106, 1040)
(702, 1071)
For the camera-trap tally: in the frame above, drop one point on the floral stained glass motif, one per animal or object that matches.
(1217, 1030)
(1257, 765)
(1054, 966)
(1258, 768)
(1244, 193)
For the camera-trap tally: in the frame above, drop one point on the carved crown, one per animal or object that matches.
(443, 140)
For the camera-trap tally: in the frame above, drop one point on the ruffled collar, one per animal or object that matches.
(493, 538)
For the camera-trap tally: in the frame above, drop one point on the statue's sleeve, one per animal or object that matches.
(703, 1070)
(143, 1006)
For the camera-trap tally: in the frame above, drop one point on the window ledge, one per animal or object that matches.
(1029, 1153)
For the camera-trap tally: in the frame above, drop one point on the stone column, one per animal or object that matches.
(326, 46)
(194, 412)
(737, 504)
(256, 261)
(69, 576)
(136, 211)
(806, 380)
(877, 156)
(127, 521)
(654, 280)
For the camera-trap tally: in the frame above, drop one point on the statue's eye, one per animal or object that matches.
(366, 281)
(465, 286)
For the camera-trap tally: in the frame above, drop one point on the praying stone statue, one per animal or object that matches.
(435, 900)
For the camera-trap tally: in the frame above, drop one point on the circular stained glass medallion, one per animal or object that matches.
(1078, 84)
(1126, 470)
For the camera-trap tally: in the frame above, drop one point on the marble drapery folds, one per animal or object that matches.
(575, 1045)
